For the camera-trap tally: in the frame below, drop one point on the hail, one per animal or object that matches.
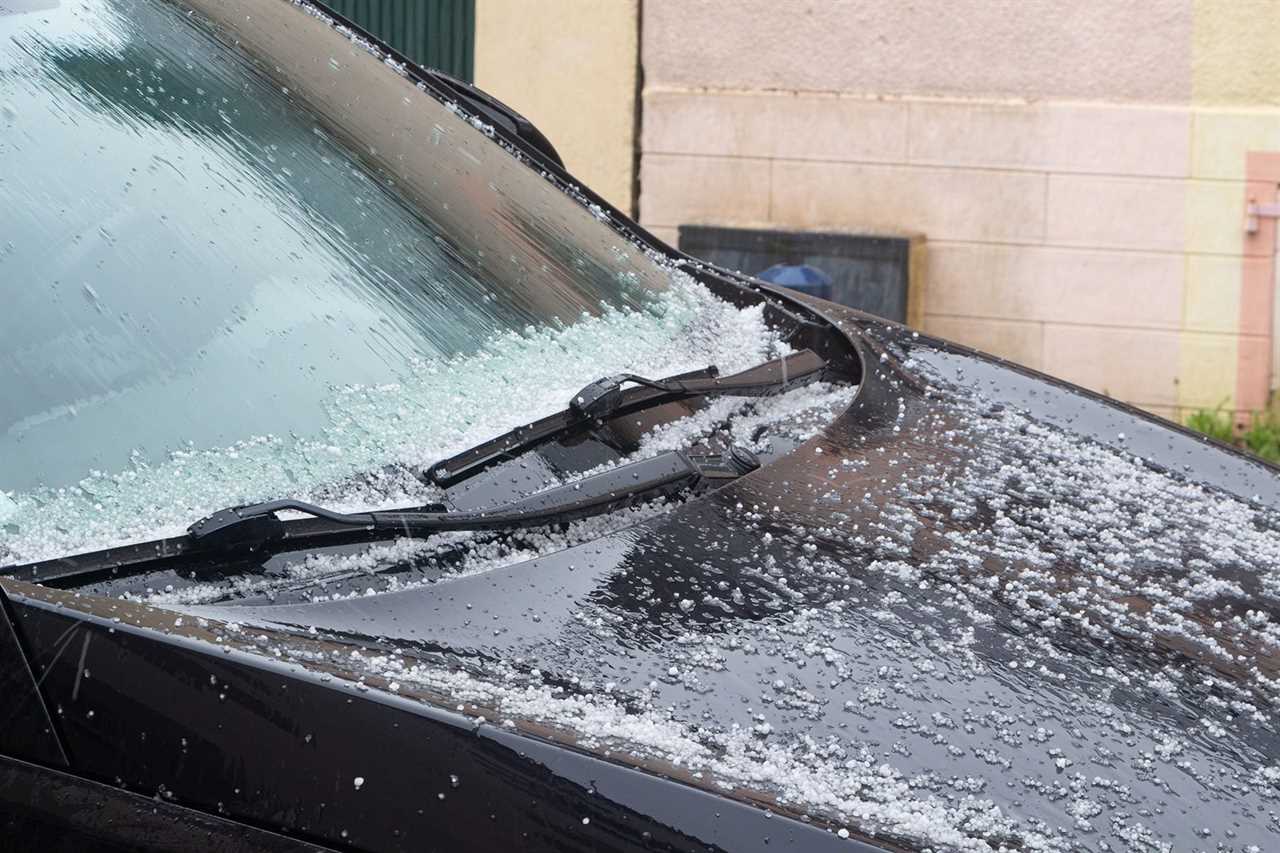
(1026, 522)
(796, 415)
(445, 407)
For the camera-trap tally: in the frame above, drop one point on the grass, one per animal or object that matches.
(1214, 423)
(1261, 438)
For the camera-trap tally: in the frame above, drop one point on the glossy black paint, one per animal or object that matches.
(635, 578)
(246, 719)
(25, 728)
(281, 749)
(57, 812)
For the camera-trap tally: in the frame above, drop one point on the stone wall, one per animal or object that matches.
(1080, 172)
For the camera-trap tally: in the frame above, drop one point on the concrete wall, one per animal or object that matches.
(569, 66)
(1114, 49)
(1080, 170)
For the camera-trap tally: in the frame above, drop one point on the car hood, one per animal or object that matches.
(980, 608)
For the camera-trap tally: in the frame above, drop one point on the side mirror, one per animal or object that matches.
(497, 113)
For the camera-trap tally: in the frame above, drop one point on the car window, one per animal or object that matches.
(217, 260)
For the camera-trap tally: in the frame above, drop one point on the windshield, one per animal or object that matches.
(228, 279)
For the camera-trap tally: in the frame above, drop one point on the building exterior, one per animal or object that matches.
(1080, 173)
(572, 68)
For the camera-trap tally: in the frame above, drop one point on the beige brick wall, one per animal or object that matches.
(1056, 231)
(1080, 171)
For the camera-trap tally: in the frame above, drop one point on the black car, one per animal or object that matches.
(368, 484)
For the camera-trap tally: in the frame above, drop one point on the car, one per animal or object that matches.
(368, 483)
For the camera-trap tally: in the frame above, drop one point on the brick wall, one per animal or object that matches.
(1083, 202)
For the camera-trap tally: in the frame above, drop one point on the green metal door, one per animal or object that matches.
(436, 33)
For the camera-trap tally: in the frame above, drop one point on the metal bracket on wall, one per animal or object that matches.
(1254, 212)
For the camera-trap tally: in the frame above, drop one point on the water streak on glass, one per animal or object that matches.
(192, 255)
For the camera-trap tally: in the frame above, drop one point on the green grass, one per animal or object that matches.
(1214, 423)
(1262, 438)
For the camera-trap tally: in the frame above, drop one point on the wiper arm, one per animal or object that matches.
(606, 398)
(257, 527)
(658, 476)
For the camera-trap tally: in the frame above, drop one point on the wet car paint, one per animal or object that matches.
(281, 749)
(763, 569)
(55, 811)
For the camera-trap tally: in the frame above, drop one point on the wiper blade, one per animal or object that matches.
(606, 398)
(246, 528)
(256, 526)
(664, 474)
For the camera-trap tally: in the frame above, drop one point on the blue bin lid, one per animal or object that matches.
(800, 276)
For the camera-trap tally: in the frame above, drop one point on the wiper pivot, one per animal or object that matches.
(238, 527)
(602, 398)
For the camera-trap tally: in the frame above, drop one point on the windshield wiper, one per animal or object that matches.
(256, 527)
(605, 399)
